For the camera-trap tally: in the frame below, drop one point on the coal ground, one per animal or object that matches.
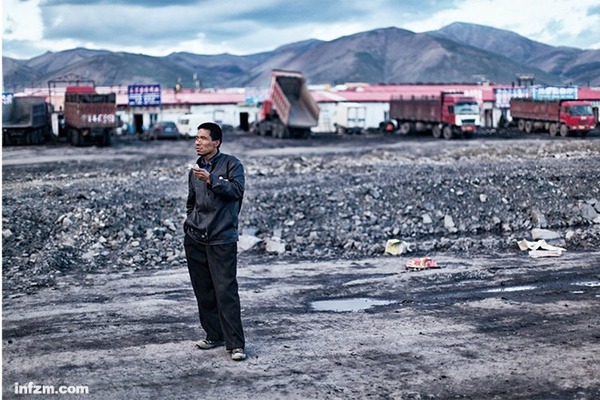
(95, 288)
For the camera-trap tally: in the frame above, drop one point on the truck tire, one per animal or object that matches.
(528, 126)
(521, 125)
(76, 139)
(564, 131)
(105, 139)
(436, 131)
(553, 129)
(447, 132)
(406, 128)
(265, 128)
(277, 130)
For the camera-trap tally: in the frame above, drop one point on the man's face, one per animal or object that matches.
(205, 145)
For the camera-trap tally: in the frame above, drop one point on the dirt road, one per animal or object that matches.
(503, 327)
(483, 326)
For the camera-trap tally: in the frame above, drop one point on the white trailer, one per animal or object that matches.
(354, 117)
(350, 118)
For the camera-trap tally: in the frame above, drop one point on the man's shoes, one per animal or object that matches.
(238, 354)
(209, 344)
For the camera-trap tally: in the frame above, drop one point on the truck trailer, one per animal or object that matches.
(449, 115)
(25, 120)
(89, 117)
(554, 116)
(289, 109)
(350, 118)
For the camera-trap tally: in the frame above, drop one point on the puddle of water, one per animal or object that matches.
(510, 289)
(345, 305)
(588, 284)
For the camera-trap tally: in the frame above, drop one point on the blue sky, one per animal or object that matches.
(158, 28)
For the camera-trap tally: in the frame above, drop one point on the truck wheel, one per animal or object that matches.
(447, 132)
(277, 131)
(521, 125)
(528, 126)
(436, 131)
(564, 131)
(105, 140)
(553, 129)
(76, 138)
(406, 128)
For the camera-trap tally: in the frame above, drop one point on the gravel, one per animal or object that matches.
(90, 210)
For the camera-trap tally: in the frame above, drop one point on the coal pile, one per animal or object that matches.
(126, 215)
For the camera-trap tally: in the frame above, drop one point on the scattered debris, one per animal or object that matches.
(541, 248)
(275, 245)
(133, 204)
(396, 247)
(416, 264)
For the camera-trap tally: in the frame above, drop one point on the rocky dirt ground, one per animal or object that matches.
(96, 292)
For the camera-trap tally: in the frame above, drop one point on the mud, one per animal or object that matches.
(490, 324)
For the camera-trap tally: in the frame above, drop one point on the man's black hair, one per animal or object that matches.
(215, 131)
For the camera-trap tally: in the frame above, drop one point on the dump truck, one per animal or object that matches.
(25, 120)
(289, 109)
(89, 117)
(449, 115)
(554, 116)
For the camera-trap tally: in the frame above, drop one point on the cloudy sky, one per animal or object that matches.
(158, 28)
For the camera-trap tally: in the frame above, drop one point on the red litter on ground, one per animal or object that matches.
(421, 263)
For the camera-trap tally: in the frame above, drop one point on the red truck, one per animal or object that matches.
(289, 110)
(449, 115)
(553, 116)
(89, 117)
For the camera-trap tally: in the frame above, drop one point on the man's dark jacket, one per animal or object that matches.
(212, 210)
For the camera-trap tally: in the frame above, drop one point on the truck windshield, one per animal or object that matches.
(580, 110)
(466, 108)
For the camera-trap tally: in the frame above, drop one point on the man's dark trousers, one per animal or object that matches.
(213, 270)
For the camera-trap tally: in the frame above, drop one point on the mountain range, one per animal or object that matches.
(457, 53)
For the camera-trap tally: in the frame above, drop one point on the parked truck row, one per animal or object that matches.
(290, 111)
(88, 117)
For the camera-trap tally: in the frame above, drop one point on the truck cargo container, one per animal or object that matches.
(449, 115)
(289, 109)
(562, 117)
(25, 120)
(89, 117)
(350, 118)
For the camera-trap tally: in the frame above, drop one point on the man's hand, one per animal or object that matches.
(201, 174)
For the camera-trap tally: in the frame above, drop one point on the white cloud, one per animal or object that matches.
(213, 26)
(554, 22)
(21, 20)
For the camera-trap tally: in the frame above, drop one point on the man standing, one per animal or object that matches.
(215, 193)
